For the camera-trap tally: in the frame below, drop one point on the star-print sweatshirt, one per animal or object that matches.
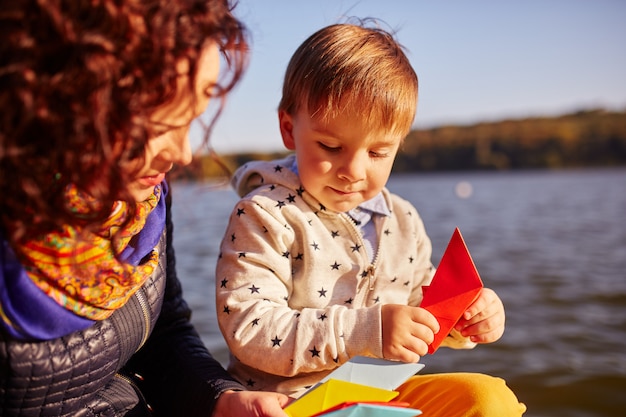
(296, 293)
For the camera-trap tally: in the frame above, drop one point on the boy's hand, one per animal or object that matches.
(407, 332)
(483, 322)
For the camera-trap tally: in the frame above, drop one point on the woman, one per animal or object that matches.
(96, 98)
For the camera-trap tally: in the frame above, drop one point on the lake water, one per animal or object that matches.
(551, 243)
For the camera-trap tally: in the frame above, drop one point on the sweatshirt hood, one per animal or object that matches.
(255, 174)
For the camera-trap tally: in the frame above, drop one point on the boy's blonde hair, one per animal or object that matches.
(348, 68)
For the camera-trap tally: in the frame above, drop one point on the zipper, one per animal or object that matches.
(371, 269)
(134, 385)
(143, 304)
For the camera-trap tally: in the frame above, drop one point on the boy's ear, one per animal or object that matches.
(285, 122)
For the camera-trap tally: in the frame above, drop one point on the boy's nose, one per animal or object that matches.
(353, 169)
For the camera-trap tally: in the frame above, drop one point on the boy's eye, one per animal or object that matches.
(329, 148)
(379, 154)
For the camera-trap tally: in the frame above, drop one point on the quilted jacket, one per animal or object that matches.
(146, 359)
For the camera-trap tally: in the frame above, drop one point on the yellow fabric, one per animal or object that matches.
(460, 394)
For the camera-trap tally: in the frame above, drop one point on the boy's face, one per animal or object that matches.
(341, 162)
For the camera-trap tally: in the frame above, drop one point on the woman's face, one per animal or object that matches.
(171, 146)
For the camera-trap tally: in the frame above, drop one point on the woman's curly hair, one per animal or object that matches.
(78, 81)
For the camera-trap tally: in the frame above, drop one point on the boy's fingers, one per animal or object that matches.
(480, 304)
(426, 318)
(490, 328)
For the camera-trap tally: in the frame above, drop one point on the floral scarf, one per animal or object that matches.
(87, 276)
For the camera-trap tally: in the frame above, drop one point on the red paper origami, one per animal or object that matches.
(454, 288)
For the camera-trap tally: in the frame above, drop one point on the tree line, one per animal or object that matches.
(587, 138)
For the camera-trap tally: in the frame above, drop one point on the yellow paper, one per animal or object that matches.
(334, 392)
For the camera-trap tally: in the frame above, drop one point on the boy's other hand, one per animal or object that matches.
(483, 322)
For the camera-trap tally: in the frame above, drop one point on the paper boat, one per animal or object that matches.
(369, 410)
(379, 373)
(334, 392)
(454, 288)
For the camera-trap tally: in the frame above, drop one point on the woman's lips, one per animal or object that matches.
(152, 180)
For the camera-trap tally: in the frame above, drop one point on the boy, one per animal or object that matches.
(320, 262)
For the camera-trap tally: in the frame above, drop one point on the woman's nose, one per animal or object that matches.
(175, 147)
(183, 151)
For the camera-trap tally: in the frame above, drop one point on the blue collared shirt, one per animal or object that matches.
(363, 215)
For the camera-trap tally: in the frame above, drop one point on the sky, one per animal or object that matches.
(481, 60)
